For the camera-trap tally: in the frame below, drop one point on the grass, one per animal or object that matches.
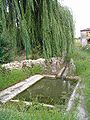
(82, 61)
(12, 111)
(8, 78)
(35, 112)
(20, 112)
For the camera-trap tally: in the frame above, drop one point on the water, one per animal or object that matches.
(48, 91)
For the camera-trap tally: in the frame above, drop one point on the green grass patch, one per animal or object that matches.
(82, 61)
(8, 78)
(19, 111)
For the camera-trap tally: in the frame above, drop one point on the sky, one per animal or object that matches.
(81, 13)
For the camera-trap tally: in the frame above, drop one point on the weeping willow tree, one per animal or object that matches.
(37, 26)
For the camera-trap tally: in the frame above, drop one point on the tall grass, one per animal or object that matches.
(82, 61)
(34, 112)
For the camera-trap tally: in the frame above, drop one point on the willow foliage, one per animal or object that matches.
(37, 26)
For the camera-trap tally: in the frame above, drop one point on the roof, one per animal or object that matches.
(87, 29)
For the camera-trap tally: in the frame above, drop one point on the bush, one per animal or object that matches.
(5, 50)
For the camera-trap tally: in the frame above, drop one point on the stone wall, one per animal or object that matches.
(24, 63)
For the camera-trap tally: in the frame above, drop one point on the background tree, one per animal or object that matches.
(41, 28)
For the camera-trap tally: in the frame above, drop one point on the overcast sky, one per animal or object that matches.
(81, 13)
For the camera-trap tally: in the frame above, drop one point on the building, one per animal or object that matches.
(85, 37)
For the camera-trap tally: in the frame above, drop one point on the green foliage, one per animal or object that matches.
(7, 35)
(5, 50)
(43, 23)
(20, 111)
(7, 77)
(25, 37)
(57, 29)
(82, 61)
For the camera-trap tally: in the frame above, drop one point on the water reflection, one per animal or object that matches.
(49, 91)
